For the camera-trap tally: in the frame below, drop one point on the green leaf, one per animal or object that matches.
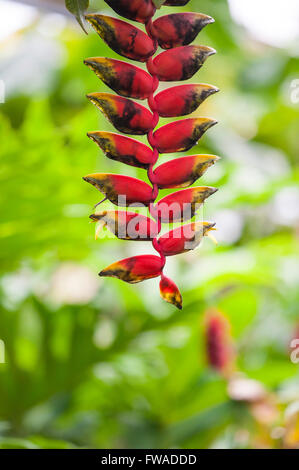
(16, 443)
(158, 3)
(78, 8)
(200, 423)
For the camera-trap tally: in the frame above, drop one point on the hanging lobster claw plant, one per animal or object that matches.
(179, 61)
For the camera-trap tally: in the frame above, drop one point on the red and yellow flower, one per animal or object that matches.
(179, 61)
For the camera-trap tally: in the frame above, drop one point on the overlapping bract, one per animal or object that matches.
(136, 10)
(179, 29)
(122, 37)
(135, 269)
(123, 149)
(121, 190)
(125, 115)
(125, 79)
(180, 136)
(182, 205)
(127, 225)
(183, 99)
(184, 238)
(180, 61)
(182, 172)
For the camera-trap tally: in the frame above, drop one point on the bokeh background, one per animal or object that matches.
(99, 363)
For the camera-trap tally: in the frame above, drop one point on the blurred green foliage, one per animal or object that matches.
(92, 363)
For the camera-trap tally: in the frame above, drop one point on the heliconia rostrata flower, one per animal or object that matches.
(179, 61)
(219, 346)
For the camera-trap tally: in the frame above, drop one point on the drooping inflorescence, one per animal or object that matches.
(179, 61)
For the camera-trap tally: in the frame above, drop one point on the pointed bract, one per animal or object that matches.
(184, 238)
(180, 136)
(123, 149)
(125, 79)
(184, 171)
(127, 225)
(179, 29)
(136, 10)
(183, 99)
(170, 292)
(182, 205)
(122, 37)
(121, 190)
(181, 63)
(135, 269)
(126, 115)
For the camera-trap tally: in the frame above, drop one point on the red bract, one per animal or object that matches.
(180, 61)
(127, 225)
(182, 205)
(135, 269)
(121, 190)
(126, 115)
(170, 292)
(184, 238)
(122, 37)
(124, 149)
(125, 79)
(179, 29)
(183, 172)
(183, 99)
(137, 10)
(180, 136)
